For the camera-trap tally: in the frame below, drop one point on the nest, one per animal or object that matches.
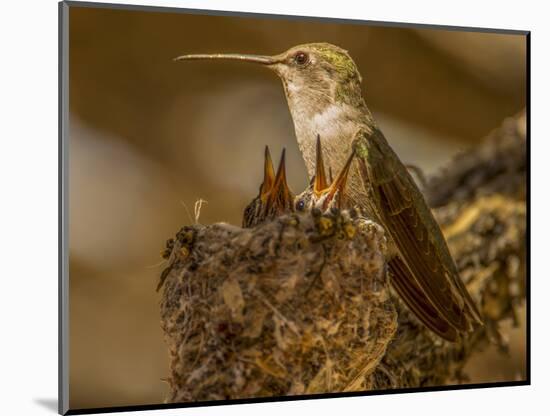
(298, 305)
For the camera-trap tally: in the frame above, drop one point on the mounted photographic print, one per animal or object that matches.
(267, 208)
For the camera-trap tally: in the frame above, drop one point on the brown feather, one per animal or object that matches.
(420, 256)
(410, 224)
(405, 285)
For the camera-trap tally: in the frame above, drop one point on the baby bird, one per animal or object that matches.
(321, 194)
(274, 198)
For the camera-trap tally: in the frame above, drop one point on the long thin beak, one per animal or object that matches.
(257, 59)
(320, 182)
(339, 183)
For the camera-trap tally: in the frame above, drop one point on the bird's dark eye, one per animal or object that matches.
(301, 58)
(300, 205)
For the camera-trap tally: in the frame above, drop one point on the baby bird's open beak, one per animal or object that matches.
(337, 187)
(269, 176)
(281, 198)
(320, 181)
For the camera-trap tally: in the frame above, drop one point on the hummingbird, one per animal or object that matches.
(321, 194)
(322, 86)
(274, 197)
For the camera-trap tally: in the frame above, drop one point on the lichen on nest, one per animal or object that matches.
(297, 305)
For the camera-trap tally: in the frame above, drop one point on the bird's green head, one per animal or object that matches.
(314, 74)
(314, 61)
(318, 74)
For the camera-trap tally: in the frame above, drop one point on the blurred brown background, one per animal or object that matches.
(149, 136)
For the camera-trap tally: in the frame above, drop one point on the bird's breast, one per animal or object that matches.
(336, 127)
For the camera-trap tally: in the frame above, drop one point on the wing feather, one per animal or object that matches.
(416, 301)
(415, 232)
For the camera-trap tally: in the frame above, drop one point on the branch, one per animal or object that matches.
(302, 304)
